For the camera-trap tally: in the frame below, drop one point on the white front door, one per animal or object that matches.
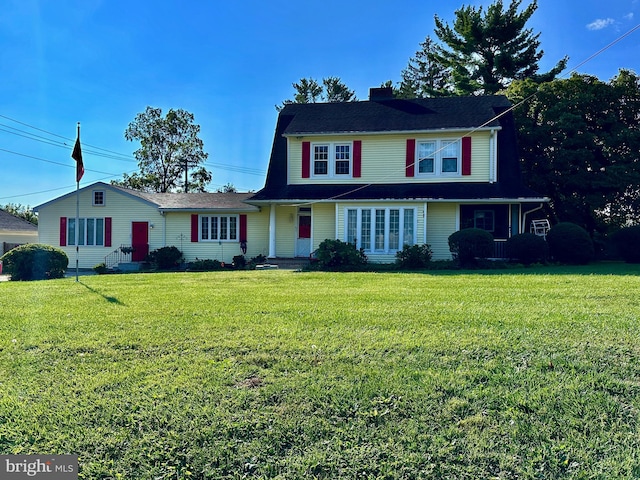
(303, 241)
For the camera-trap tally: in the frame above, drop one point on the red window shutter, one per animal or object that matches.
(63, 231)
(194, 228)
(306, 159)
(107, 232)
(243, 228)
(357, 158)
(466, 155)
(411, 157)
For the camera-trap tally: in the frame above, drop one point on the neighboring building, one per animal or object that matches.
(15, 231)
(387, 172)
(201, 225)
(380, 174)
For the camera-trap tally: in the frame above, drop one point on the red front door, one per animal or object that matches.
(139, 241)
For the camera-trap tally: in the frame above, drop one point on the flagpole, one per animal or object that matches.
(77, 229)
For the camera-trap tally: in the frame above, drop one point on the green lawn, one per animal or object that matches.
(531, 373)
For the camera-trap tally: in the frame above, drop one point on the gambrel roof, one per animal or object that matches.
(394, 115)
(388, 115)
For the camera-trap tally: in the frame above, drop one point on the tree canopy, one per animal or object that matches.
(580, 145)
(171, 154)
(481, 53)
(22, 211)
(332, 90)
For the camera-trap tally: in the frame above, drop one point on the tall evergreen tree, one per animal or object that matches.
(425, 76)
(480, 54)
(308, 90)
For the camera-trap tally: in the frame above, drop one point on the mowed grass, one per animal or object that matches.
(531, 373)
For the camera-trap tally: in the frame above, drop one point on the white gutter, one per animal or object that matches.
(391, 132)
(524, 217)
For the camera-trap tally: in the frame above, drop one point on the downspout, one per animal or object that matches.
(524, 216)
(492, 157)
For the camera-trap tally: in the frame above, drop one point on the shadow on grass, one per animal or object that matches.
(107, 298)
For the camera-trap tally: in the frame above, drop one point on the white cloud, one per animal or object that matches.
(600, 23)
(629, 16)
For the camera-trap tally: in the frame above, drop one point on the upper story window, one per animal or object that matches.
(438, 157)
(218, 228)
(332, 159)
(98, 198)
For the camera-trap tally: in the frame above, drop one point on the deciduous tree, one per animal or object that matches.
(580, 145)
(171, 154)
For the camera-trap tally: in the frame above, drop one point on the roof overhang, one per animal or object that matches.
(468, 201)
(466, 130)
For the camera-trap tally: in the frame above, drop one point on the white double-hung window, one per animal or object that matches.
(332, 159)
(380, 230)
(438, 157)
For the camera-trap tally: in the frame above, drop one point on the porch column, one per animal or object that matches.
(272, 231)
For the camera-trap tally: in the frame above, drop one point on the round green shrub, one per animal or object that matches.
(166, 258)
(626, 242)
(35, 261)
(340, 256)
(414, 256)
(570, 243)
(527, 248)
(469, 245)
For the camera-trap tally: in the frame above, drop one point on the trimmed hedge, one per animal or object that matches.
(336, 255)
(35, 261)
(470, 244)
(626, 242)
(166, 258)
(570, 243)
(527, 248)
(414, 256)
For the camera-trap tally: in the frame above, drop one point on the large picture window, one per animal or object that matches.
(218, 228)
(90, 231)
(380, 230)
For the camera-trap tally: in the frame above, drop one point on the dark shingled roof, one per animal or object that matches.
(397, 115)
(16, 224)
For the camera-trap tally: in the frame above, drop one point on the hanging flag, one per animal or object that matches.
(77, 156)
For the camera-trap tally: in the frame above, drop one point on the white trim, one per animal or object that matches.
(331, 160)
(445, 131)
(219, 228)
(439, 144)
(426, 217)
(272, 231)
(386, 250)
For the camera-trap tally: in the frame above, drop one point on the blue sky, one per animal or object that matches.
(100, 62)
